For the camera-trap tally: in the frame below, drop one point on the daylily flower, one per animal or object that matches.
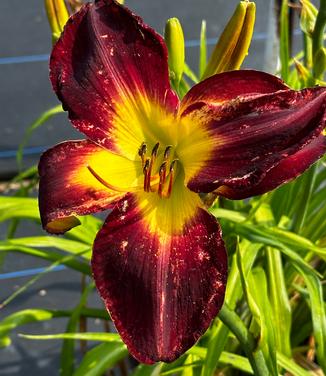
(159, 261)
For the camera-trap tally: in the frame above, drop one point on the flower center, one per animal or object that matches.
(159, 169)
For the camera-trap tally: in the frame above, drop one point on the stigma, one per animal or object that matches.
(159, 169)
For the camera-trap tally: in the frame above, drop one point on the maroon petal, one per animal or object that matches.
(227, 86)
(162, 287)
(249, 136)
(288, 169)
(108, 61)
(68, 188)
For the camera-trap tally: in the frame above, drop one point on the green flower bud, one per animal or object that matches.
(308, 17)
(174, 40)
(304, 75)
(232, 46)
(58, 15)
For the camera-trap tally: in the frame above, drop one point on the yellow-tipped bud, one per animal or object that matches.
(233, 45)
(174, 40)
(320, 63)
(303, 73)
(58, 15)
(308, 17)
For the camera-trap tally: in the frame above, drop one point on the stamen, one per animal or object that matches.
(155, 149)
(145, 170)
(162, 173)
(167, 152)
(172, 176)
(149, 172)
(142, 153)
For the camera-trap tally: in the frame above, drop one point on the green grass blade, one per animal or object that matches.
(259, 235)
(284, 40)
(29, 131)
(280, 306)
(18, 207)
(68, 347)
(190, 74)
(246, 340)
(231, 215)
(13, 321)
(291, 366)
(318, 314)
(307, 187)
(220, 332)
(202, 49)
(86, 336)
(254, 287)
(50, 255)
(46, 270)
(67, 245)
(100, 358)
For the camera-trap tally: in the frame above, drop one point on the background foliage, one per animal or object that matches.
(273, 321)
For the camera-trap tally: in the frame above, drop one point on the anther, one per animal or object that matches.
(172, 165)
(167, 152)
(149, 172)
(162, 173)
(142, 152)
(155, 149)
(172, 175)
(145, 170)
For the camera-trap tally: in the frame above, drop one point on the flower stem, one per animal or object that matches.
(246, 339)
(318, 33)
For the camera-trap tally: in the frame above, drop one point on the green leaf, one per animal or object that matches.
(257, 283)
(219, 336)
(36, 124)
(291, 366)
(100, 358)
(280, 306)
(147, 370)
(190, 74)
(71, 246)
(246, 340)
(27, 316)
(86, 336)
(231, 215)
(22, 207)
(51, 255)
(318, 313)
(68, 347)
(18, 207)
(254, 286)
(260, 235)
(307, 187)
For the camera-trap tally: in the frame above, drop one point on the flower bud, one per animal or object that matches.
(232, 46)
(304, 75)
(58, 15)
(174, 40)
(74, 5)
(320, 63)
(308, 17)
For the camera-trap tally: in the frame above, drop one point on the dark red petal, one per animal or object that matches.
(252, 136)
(227, 86)
(67, 188)
(288, 169)
(162, 289)
(106, 57)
